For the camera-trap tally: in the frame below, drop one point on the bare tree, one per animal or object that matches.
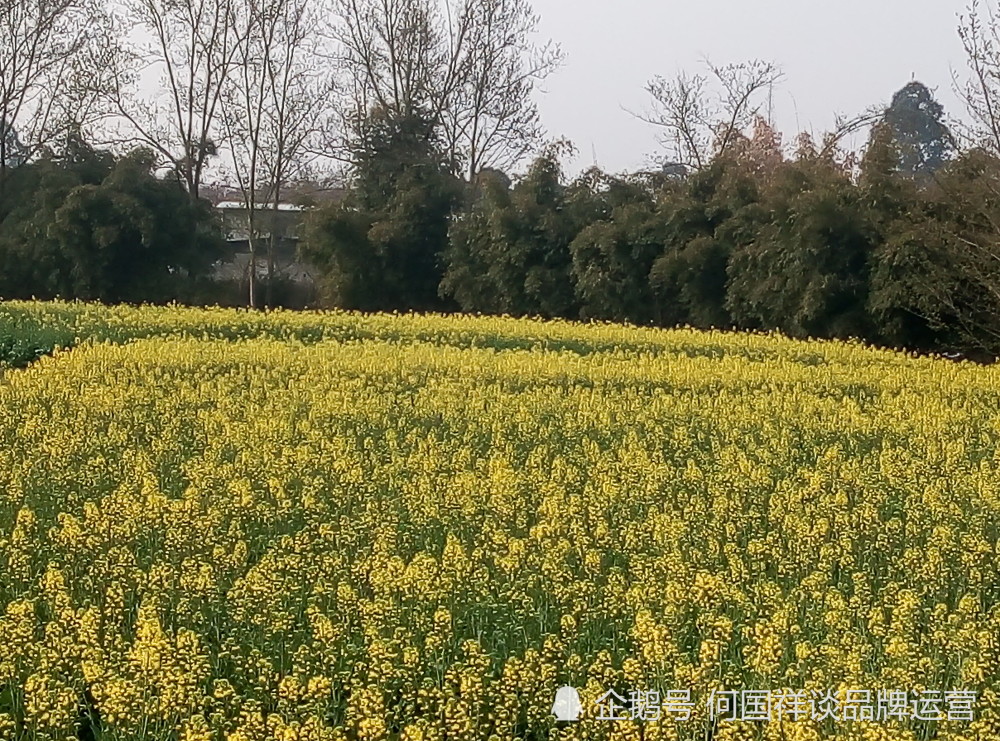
(192, 47)
(493, 120)
(704, 115)
(272, 105)
(831, 148)
(468, 66)
(397, 56)
(980, 34)
(845, 127)
(42, 44)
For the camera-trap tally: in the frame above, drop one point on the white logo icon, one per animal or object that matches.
(567, 705)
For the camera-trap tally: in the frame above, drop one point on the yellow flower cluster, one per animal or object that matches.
(229, 526)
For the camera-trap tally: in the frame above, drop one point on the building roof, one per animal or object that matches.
(318, 193)
(237, 205)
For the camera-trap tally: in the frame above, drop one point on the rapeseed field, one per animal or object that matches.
(230, 526)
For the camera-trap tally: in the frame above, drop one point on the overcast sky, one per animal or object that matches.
(837, 58)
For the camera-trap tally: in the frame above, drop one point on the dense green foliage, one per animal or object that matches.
(895, 247)
(510, 251)
(379, 248)
(915, 121)
(85, 224)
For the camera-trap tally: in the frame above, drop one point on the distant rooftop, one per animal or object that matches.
(300, 193)
(237, 205)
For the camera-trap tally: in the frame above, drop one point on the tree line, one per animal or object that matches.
(263, 93)
(895, 245)
(425, 109)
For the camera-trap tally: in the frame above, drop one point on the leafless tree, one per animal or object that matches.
(847, 126)
(468, 66)
(272, 105)
(397, 56)
(704, 115)
(42, 47)
(493, 121)
(831, 147)
(980, 34)
(192, 46)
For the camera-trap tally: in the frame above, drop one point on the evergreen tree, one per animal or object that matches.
(510, 251)
(903, 244)
(804, 271)
(923, 140)
(703, 221)
(613, 255)
(380, 249)
(85, 225)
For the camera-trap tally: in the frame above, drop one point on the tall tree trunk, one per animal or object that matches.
(272, 245)
(252, 242)
(269, 291)
(253, 276)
